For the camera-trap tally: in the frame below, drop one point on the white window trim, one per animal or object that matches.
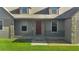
(50, 11)
(57, 27)
(24, 13)
(2, 25)
(21, 28)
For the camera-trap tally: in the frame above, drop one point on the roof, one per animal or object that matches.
(11, 8)
(69, 13)
(7, 11)
(35, 16)
(66, 14)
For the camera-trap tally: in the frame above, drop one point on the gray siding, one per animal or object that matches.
(48, 29)
(7, 22)
(68, 30)
(19, 23)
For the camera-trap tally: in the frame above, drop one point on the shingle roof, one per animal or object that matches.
(66, 14)
(11, 8)
(69, 13)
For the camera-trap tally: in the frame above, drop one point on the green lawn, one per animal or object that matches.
(8, 45)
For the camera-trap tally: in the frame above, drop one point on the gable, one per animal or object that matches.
(68, 14)
(4, 13)
(5, 16)
(11, 8)
(15, 11)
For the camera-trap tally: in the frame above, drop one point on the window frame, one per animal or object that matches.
(57, 11)
(26, 29)
(2, 25)
(51, 26)
(21, 11)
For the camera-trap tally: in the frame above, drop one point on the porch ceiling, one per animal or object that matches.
(40, 16)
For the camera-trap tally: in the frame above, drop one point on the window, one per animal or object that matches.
(24, 28)
(23, 10)
(0, 25)
(55, 10)
(54, 26)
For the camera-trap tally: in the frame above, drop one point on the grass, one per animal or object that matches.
(8, 45)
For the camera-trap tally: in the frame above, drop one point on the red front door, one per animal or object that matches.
(38, 27)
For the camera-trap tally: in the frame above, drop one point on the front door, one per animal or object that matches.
(38, 27)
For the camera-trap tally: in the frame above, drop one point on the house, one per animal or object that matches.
(53, 23)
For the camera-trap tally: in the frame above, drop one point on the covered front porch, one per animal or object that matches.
(38, 29)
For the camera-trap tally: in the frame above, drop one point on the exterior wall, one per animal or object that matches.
(30, 27)
(7, 22)
(75, 28)
(68, 24)
(77, 36)
(46, 28)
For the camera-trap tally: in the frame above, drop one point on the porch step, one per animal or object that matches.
(39, 43)
(39, 40)
(42, 39)
(56, 41)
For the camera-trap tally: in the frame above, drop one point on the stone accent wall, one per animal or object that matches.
(74, 30)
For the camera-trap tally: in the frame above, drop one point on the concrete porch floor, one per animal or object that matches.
(40, 39)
